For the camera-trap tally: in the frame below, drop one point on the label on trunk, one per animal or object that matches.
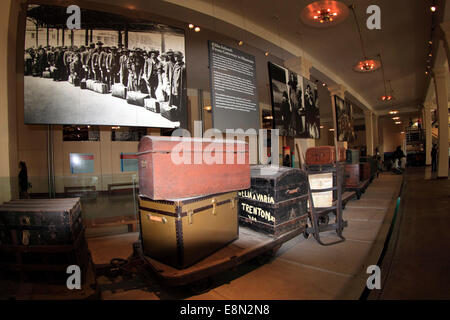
(254, 213)
(249, 194)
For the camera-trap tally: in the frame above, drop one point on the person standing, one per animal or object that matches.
(178, 82)
(434, 152)
(23, 181)
(152, 72)
(123, 71)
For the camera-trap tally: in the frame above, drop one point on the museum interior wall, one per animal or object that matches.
(20, 142)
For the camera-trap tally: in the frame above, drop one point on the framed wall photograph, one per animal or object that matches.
(344, 119)
(295, 107)
(116, 70)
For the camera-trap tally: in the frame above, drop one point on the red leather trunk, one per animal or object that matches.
(175, 167)
(320, 155)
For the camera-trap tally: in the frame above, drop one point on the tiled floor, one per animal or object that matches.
(302, 269)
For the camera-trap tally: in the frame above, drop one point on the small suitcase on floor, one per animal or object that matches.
(184, 231)
(90, 84)
(46, 74)
(152, 104)
(119, 91)
(320, 155)
(83, 84)
(137, 98)
(100, 87)
(169, 112)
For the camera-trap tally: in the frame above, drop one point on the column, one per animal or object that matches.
(302, 67)
(428, 131)
(440, 80)
(86, 37)
(445, 27)
(369, 132)
(375, 132)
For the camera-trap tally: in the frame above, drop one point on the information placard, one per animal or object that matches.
(234, 93)
(81, 163)
(128, 162)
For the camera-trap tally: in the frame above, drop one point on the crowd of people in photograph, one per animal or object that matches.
(160, 75)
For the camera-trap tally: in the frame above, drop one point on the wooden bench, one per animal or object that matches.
(75, 189)
(129, 220)
(124, 184)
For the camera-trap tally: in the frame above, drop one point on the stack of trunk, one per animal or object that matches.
(276, 201)
(188, 196)
(41, 238)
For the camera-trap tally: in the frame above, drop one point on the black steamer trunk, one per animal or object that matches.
(276, 201)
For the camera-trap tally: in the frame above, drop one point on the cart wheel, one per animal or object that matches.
(324, 220)
(201, 286)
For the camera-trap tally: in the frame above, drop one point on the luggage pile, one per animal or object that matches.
(276, 201)
(188, 203)
(40, 238)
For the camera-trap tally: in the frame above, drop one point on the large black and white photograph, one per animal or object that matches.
(294, 103)
(115, 70)
(311, 109)
(344, 118)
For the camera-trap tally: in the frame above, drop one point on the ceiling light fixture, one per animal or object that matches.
(191, 26)
(396, 118)
(324, 13)
(324, 84)
(398, 122)
(197, 29)
(331, 129)
(433, 8)
(365, 65)
(240, 42)
(266, 53)
(393, 112)
(430, 42)
(321, 127)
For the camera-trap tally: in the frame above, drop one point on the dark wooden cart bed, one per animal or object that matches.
(251, 244)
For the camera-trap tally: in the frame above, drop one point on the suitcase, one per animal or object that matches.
(176, 167)
(136, 98)
(276, 201)
(320, 155)
(169, 112)
(42, 222)
(47, 74)
(90, 84)
(119, 91)
(83, 84)
(184, 231)
(100, 87)
(152, 104)
(352, 175)
(352, 156)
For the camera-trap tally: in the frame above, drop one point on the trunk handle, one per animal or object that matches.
(292, 191)
(156, 218)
